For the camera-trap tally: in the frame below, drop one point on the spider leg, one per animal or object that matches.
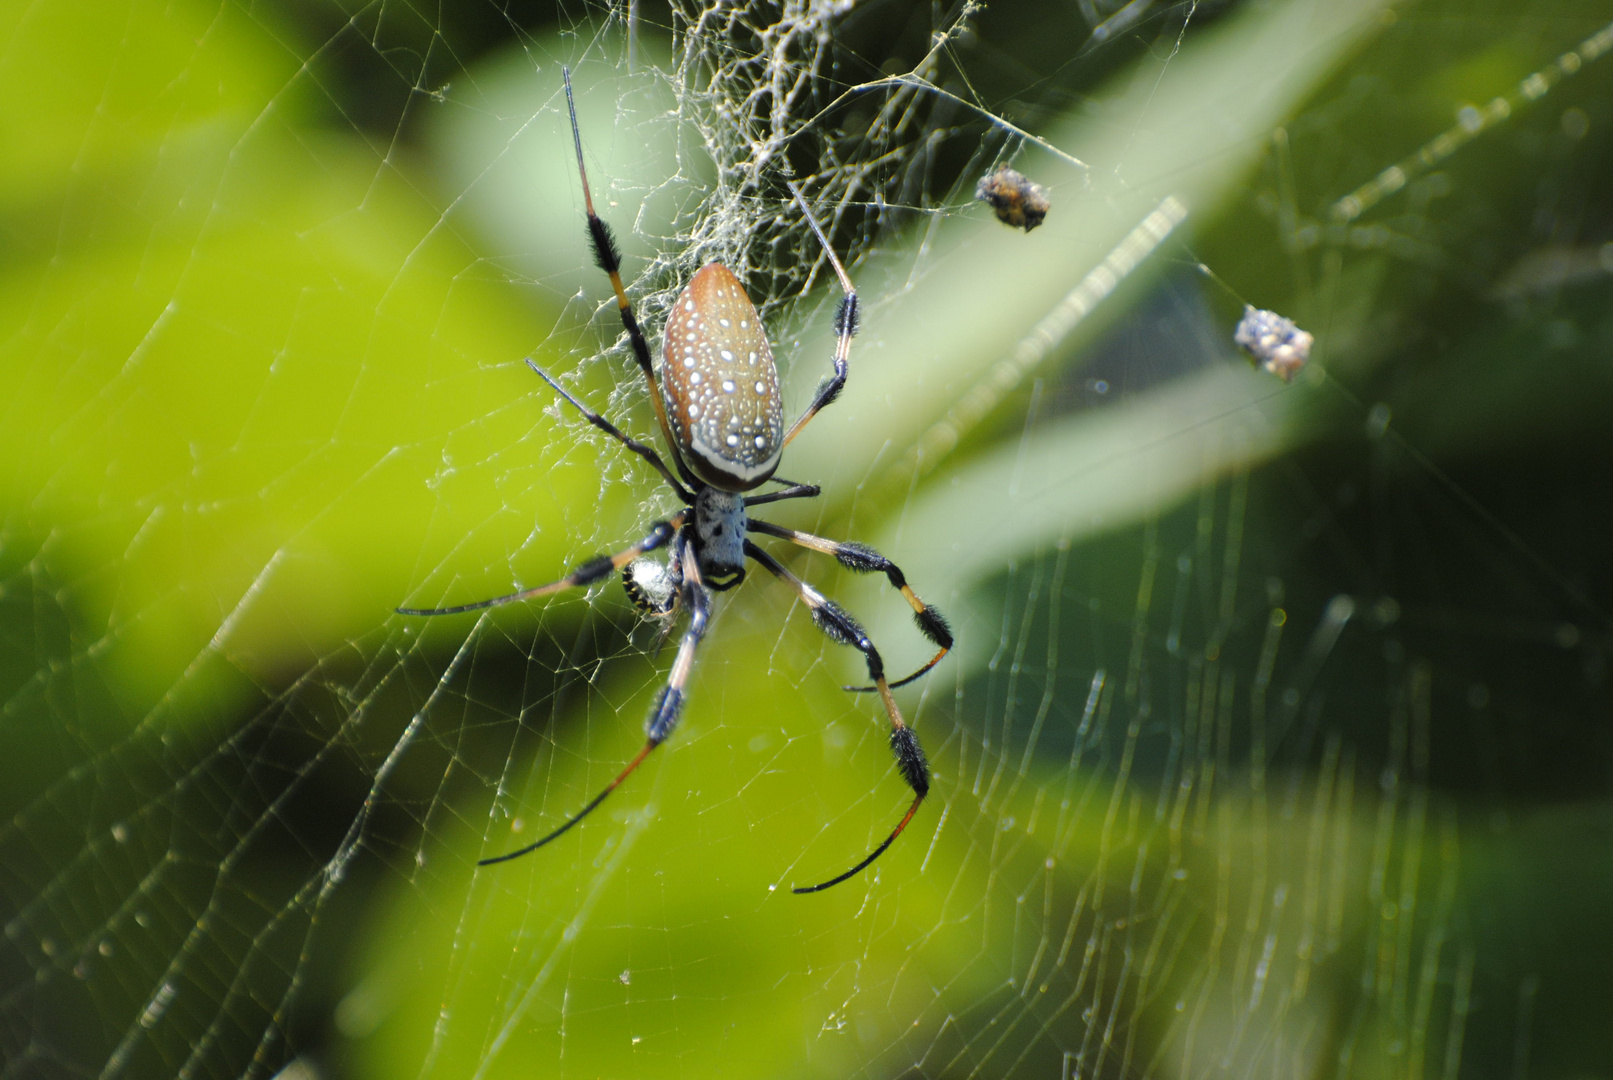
(664, 714)
(841, 627)
(865, 560)
(586, 574)
(845, 327)
(794, 491)
(609, 259)
(616, 433)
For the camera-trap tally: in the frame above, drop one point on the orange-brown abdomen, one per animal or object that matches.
(720, 383)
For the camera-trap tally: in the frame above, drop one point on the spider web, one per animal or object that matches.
(1275, 741)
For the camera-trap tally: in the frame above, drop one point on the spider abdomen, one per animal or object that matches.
(721, 384)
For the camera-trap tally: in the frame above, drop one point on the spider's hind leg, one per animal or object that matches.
(616, 433)
(609, 259)
(846, 320)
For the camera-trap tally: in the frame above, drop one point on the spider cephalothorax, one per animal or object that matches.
(718, 406)
(720, 523)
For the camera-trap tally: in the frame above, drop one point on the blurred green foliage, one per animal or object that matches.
(262, 354)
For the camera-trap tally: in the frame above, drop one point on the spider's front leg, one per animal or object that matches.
(910, 761)
(668, 707)
(865, 560)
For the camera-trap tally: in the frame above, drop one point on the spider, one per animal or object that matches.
(717, 403)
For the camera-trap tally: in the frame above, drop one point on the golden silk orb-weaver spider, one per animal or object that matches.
(717, 403)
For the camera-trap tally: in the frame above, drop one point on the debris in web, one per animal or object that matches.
(1017, 201)
(1274, 342)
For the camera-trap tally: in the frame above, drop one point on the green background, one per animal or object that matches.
(1341, 804)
